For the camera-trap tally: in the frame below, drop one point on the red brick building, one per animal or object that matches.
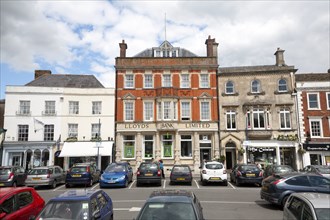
(313, 93)
(167, 105)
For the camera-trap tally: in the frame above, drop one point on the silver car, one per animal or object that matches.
(45, 176)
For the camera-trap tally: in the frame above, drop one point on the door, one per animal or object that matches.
(229, 161)
(205, 154)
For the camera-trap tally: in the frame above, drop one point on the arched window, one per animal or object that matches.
(282, 85)
(255, 86)
(229, 87)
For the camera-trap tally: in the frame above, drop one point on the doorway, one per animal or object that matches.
(205, 154)
(229, 160)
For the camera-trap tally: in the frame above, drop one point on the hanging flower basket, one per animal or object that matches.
(241, 151)
(301, 150)
(71, 139)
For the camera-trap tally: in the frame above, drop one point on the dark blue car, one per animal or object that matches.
(82, 174)
(117, 174)
(79, 204)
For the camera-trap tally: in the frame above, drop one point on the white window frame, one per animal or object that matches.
(191, 145)
(126, 113)
(73, 130)
(148, 84)
(282, 85)
(97, 108)
(202, 113)
(166, 80)
(319, 120)
(49, 132)
(95, 130)
(318, 101)
(204, 83)
(232, 117)
(285, 114)
(148, 113)
(23, 132)
(328, 100)
(233, 87)
(144, 146)
(129, 83)
(259, 112)
(73, 107)
(185, 113)
(171, 110)
(184, 83)
(24, 107)
(258, 86)
(50, 107)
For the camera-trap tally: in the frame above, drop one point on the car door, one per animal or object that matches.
(103, 206)
(293, 209)
(21, 175)
(320, 184)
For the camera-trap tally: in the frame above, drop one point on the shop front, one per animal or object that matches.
(317, 154)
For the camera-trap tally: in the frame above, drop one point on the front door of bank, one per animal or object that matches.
(205, 154)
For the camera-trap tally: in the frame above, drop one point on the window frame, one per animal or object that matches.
(73, 131)
(317, 100)
(145, 140)
(96, 107)
(258, 86)
(49, 132)
(129, 83)
(282, 85)
(50, 107)
(185, 117)
(203, 82)
(24, 107)
(146, 83)
(259, 112)
(131, 113)
(163, 140)
(285, 114)
(188, 140)
(172, 110)
(166, 82)
(202, 112)
(74, 107)
(327, 94)
(184, 84)
(22, 132)
(227, 87)
(96, 130)
(133, 147)
(319, 120)
(233, 121)
(148, 111)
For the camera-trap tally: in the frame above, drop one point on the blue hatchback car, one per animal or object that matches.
(79, 204)
(117, 174)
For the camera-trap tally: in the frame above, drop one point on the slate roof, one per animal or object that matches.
(312, 77)
(66, 81)
(249, 69)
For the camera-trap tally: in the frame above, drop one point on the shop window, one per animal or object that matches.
(167, 143)
(45, 158)
(186, 146)
(129, 146)
(148, 146)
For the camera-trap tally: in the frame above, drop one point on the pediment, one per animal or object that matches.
(205, 95)
(128, 96)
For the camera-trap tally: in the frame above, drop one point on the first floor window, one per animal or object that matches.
(23, 132)
(313, 101)
(185, 81)
(285, 121)
(167, 110)
(205, 110)
(96, 108)
(185, 111)
(231, 120)
(73, 130)
(129, 111)
(186, 146)
(258, 118)
(129, 146)
(148, 146)
(204, 81)
(148, 111)
(167, 142)
(49, 133)
(148, 82)
(129, 81)
(316, 127)
(96, 130)
(24, 107)
(73, 107)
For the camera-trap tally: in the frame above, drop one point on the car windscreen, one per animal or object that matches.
(65, 210)
(213, 166)
(322, 213)
(170, 210)
(4, 171)
(249, 168)
(324, 170)
(181, 170)
(283, 169)
(40, 171)
(78, 169)
(148, 166)
(115, 168)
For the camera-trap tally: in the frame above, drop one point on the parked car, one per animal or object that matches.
(171, 204)
(312, 206)
(181, 174)
(149, 172)
(79, 204)
(274, 169)
(277, 189)
(82, 174)
(247, 173)
(22, 203)
(117, 174)
(12, 176)
(45, 176)
(322, 170)
(213, 171)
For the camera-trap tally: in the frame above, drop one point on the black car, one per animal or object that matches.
(277, 189)
(149, 172)
(12, 176)
(181, 174)
(322, 170)
(82, 174)
(274, 169)
(171, 204)
(246, 173)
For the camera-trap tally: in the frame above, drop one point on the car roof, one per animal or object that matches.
(320, 166)
(287, 175)
(6, 167)
(6, 190)
(45, 167)
(183, 196)
(181, 165)
(214, 162)
(318, 200)
(75, 195)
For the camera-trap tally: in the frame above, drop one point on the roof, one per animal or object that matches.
(66, 81)
(171, 196)
(5, 190)
(77, 194)
(312, 77)
(256, 69)
(318, 200)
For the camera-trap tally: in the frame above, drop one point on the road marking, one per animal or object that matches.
(95, 186)
(196, 183)
(131, 184)
(133, 209)
(235, 202)
(164, 184)
(232, 185)
(58, 188)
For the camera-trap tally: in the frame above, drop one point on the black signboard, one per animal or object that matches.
(317, 147)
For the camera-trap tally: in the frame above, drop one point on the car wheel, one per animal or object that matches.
(137, 184)
(284, 200)
(203, 182)
(126, 183)
(54, 184)
(225, 183)
(91, 182)
(67, 185)
(160, 183)
(190, 183)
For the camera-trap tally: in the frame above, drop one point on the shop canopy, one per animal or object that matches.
(86, 149)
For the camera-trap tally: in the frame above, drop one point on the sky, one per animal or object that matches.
(82, 37)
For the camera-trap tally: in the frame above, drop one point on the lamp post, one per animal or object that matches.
(98, 145)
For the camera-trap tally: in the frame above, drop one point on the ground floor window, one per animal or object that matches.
(167, 143)
(129, 146)
(316, 159)
(186, 146)
(148, 146)
(261, 155)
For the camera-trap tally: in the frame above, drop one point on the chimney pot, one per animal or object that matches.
(279, 54)
(211, 47)
(123, 48)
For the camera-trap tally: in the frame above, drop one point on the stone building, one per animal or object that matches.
(257, 113)
(313, 98)
(166, 105)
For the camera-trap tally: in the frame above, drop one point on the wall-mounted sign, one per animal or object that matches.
(260, 149)
(317, 147)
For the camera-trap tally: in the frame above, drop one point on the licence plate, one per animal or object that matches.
(180, 178)
(215, 178)
(76, 175)
(37, 178)
(250, 174)
(111, 181)
(1, 184)
(148, 174)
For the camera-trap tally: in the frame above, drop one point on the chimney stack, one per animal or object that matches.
(211, 47)
(123, 47)
(279, 57)
(39, 73)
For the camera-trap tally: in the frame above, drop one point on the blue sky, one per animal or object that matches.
(82, 37)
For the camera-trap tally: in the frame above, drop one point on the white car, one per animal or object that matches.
(213, 171)
(313, 206)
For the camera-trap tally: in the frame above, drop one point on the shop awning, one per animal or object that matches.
(86, 149)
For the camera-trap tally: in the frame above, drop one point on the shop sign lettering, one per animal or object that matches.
(167, 126)
(260, 149)
(136, 126)
(198, 125)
